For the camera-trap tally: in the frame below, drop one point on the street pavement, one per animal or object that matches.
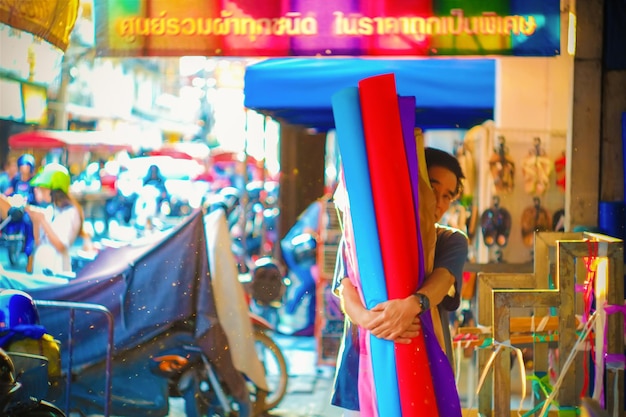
(310, 385)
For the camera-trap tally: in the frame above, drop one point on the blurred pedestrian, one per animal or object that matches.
(56, 229)
(9, 171)
(156, 179)
(20, 183)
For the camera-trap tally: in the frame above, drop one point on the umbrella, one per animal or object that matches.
(51, 20)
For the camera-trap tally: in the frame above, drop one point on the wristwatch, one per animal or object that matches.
(424, 302)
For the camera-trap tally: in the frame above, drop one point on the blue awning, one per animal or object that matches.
(450, 93)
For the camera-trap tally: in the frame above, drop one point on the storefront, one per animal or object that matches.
(506, 64)
(546, 121)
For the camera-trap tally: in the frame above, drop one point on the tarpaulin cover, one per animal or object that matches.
(148, 288)
(450, 93)
(151, 287)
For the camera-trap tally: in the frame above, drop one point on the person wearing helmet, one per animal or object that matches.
(55, 233)
(20, 183)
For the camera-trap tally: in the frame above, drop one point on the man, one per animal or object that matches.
(398, 320)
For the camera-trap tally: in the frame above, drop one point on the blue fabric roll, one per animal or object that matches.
(351, 140)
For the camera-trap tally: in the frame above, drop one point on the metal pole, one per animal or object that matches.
(72, 306)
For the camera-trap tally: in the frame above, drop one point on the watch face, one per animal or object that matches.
(425, 302)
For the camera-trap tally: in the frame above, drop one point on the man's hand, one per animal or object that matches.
(411, 333)
(396, 319)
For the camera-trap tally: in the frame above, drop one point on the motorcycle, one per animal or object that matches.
(29, 360)
(17, 231)
(287, 301)
(299, 249)
(178, 318)
(271, 369)
(23, 385)
(193, 377)
(252, 224)
(265, 287)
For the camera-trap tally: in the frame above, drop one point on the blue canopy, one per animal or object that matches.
(450, 93)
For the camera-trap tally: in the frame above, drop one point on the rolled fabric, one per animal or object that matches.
(397, 230)
(372, 285)
(448, 402)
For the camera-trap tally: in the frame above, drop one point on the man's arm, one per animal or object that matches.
(371, 319)
(5, 205)
(352, 306)
(398, 316)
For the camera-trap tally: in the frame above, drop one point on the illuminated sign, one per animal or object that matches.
(324, 28)
(11, 105)
(35, 99)
(23, 102)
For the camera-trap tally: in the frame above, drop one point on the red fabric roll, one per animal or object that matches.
(397, 230)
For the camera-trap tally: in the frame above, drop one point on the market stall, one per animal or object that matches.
(450, 93)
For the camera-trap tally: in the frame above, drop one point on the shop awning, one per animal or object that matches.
(450, 93)
(71, 140)
(51, 20)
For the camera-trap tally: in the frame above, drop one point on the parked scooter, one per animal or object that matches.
(299, 250)
(21, 392)
(252, 224)
(136, 387)
(194, 378)
(25, 373)
(263, 288)
(17, 231)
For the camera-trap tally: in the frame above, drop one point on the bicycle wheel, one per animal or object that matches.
(275, 366)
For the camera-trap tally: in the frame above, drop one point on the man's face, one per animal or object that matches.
(444, 184)
(25, 171)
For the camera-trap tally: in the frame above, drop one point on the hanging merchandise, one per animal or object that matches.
(559, 167)
(496, 224)
(465, 155)
(558, 220)
(457, 216)
(536, 169)
(534, 219)
(464, 208)
(502, 168)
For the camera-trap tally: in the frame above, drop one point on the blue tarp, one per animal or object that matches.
(157, 290)
(450, 93)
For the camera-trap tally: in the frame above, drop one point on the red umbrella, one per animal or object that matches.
(176, 154)
(70, 140)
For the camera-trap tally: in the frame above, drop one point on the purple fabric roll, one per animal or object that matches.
(448, 402)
